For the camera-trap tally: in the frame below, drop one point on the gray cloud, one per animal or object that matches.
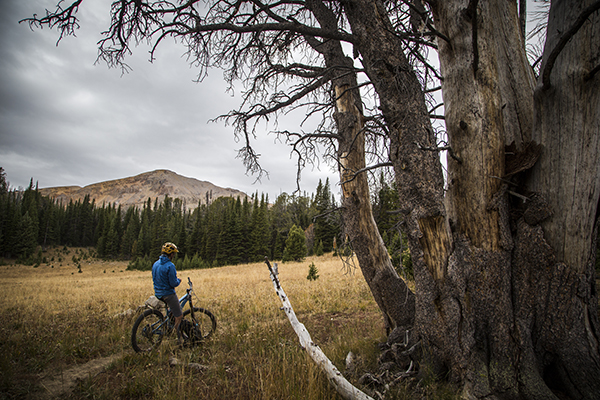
(66, 121)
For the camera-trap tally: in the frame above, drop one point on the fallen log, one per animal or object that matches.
(341, 384)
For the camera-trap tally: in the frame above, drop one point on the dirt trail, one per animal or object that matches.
(57, 385)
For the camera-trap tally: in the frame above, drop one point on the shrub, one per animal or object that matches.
(313, 272)
(141, 264)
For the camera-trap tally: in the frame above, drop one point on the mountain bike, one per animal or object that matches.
(152, 326)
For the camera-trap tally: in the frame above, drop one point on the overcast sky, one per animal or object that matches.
(65, 121)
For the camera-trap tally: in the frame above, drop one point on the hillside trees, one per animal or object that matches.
(19, 218)
(288, 210)
(226, 231)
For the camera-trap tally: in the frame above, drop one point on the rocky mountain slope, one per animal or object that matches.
(135, 190)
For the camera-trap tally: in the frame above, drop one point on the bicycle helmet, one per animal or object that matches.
(169, 248)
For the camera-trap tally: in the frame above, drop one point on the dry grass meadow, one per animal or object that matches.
(56, 320)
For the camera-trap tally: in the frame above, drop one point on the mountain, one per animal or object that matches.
(135, 190)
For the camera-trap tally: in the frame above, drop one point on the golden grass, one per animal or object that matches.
(54, 318)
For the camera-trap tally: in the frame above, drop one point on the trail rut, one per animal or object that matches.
(61, 383)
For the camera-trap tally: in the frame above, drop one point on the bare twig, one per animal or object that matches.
(438, 149)
(326, 213)
(366, 169)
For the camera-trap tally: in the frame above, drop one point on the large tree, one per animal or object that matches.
(505, 300)
(514, 312)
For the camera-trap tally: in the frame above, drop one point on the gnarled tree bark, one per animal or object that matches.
(517, 309)
(391, 293)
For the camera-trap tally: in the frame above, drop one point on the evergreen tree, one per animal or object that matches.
(278, 245)
(11, 224)
(319, 248)
(86, 222)
(295, 245)
(30, 206)
(385, 202)
(195, 238)
(4, 185)
(216, 238)
(130, 232)
(384, 205)
(27, 236)
(259, 231)
(281, 222)
(326, 222)
(313, 272)
(4, 210)
(246, 229)
(144, 240)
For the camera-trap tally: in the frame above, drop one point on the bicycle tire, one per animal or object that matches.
(200, 329)
(147, 332)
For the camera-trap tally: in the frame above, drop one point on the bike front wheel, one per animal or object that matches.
(148, 331)
(199, 327)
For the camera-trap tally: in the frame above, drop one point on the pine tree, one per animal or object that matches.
(195, 237)
(384, 203)
(319, 248)
(326, 223)
(259, 231)
(5, 210)
(144, 240)
(131, 231)
(27, 236)
(295, 245)
(30, 206)
(313, 272)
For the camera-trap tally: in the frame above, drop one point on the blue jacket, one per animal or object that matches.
(164, 277)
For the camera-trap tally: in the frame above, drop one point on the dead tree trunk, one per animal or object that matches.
(563, 318)
(418, 173)
(516, 312)
(393, 297)
(341, 384)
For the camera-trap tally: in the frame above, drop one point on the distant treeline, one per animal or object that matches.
(225, 232)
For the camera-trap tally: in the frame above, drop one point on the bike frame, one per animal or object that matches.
(183, 300)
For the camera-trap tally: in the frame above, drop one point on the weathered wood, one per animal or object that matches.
(515, 316)
(392, 295)
(568, 126)
(341, 384)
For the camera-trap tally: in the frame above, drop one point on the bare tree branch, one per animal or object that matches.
(367, 169)
(63, 19)
(438, 149)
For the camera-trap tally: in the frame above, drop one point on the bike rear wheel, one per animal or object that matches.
(148, 331)
(200, 327)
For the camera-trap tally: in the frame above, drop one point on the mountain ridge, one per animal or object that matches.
(135, 190)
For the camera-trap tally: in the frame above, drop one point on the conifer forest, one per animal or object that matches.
(226, 231)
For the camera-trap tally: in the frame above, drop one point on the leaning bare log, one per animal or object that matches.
(342, 386)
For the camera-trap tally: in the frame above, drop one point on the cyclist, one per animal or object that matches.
(164, 277)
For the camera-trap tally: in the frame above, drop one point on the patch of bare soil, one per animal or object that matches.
(64, 382)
